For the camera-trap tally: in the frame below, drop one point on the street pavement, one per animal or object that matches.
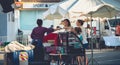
(100, 57)
(104, 57)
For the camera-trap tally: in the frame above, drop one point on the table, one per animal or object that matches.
(112, 40)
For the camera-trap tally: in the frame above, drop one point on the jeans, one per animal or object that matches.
(85, 45)
(37, 42)
(38, 50)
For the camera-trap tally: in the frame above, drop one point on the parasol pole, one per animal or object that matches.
(91, 40)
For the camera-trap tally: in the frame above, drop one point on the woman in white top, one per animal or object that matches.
(79, 24)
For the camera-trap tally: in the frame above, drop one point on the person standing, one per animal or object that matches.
(88, 32)
(37, 40)
(117, 30)
(67, 25)
(80, 30)
(52, 29)
(80, 23)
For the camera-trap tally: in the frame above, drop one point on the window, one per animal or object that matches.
(114, 22)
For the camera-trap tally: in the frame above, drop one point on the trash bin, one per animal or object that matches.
(30, 55)
(18, 57)
(12, 58)
(23, 58)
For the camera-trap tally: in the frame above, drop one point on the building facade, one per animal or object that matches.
(7, 25)
(28, 11)
(24, 17)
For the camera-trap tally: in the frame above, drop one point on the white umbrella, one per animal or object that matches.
(58, 10)
(49, 16)
(71, 8)
(96, 8)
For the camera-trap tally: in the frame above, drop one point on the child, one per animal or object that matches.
(80, 59)
(78, 32)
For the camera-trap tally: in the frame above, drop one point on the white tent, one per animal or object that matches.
(73, 8)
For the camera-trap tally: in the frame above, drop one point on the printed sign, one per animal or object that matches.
(23, 56)
(37, 5)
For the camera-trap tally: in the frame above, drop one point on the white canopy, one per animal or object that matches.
(98, 8)
(59, 10)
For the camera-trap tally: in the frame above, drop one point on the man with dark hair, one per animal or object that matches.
(37, 39)
(39, 22)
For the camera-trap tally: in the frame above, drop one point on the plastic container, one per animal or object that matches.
(23, 58)
(30, 55)
(13, 57)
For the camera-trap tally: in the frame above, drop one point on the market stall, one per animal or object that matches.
(67, 48)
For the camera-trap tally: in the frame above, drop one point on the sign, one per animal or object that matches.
(37, 5)
(18, 4)
(23, 56)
